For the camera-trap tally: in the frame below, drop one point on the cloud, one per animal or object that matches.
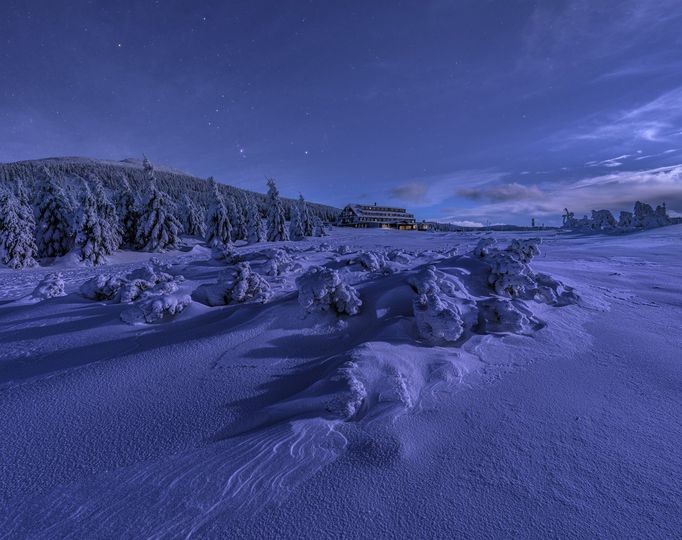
(502, 192)
(615, 191)
(413, 192)
(437, 189)
(657, 120)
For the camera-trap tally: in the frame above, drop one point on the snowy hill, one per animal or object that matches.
(175, 183)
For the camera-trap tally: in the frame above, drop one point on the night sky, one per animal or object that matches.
(470, 111)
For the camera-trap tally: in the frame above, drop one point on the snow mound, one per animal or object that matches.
(156, 309)
(51, 286)
(344, 249)
(322, 289)
(399, 256)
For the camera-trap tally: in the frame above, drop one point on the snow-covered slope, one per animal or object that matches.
(175, 183)
(486, 392)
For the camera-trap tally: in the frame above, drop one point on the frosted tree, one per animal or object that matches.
(234, 215)
(254, 223)
(193, 218)
(54, 231)
(240, 225)
(318, 227)
(158, 228)
(148, 171)
(17, 228)
(219, 228)
(276, 229)
(93, 232)
(127, 212)
(296, 227)
(107, 211)
(306, 218)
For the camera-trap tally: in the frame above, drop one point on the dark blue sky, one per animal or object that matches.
(469, 111)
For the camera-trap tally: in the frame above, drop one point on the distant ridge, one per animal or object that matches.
(71, 169)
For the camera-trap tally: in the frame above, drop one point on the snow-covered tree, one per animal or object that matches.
(254, 223)
(54, 231)
(127, 212)
(93, 232)
(148, 171)
(193, 218)
(235, 217)
(17, 228)
(296, 227)
(158, 228)
(240, 225)
(306, 218)
(276, 229)
(107, 211)
(219, 228)
(318, 227)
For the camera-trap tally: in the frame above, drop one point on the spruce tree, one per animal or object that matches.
(128, 214)
(234, 215)
(94, 235)
(17, 228)
(254, 223)
(107, 211)
(54, 230)
(276, 229)
(306, 219)
(219, 228)
(158, 228)
(193, 219)
(296, 230)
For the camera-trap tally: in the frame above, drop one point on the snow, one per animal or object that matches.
(446, 406)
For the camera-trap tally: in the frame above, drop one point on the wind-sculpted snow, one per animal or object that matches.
(285, 381)
(322, 289)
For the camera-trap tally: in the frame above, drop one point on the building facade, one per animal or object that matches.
(372, 216)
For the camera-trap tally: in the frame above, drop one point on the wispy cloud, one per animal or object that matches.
(657, 120)
(433, 190)
(617, 190)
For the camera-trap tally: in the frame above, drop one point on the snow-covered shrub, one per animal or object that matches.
(372, 261)
(603, 219)
(102, 287)
(344, 249)
(626, 220)
(51, 286)
(279, 262)
(247, 285)
(399, 256)
(437, 321)
(139, 284)
(235, 286)
(484, 246)
(276, 229)
(322, 289)
(499, 316)
(225, 253)
(525, 250)
(431, 280)
(156, 308)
